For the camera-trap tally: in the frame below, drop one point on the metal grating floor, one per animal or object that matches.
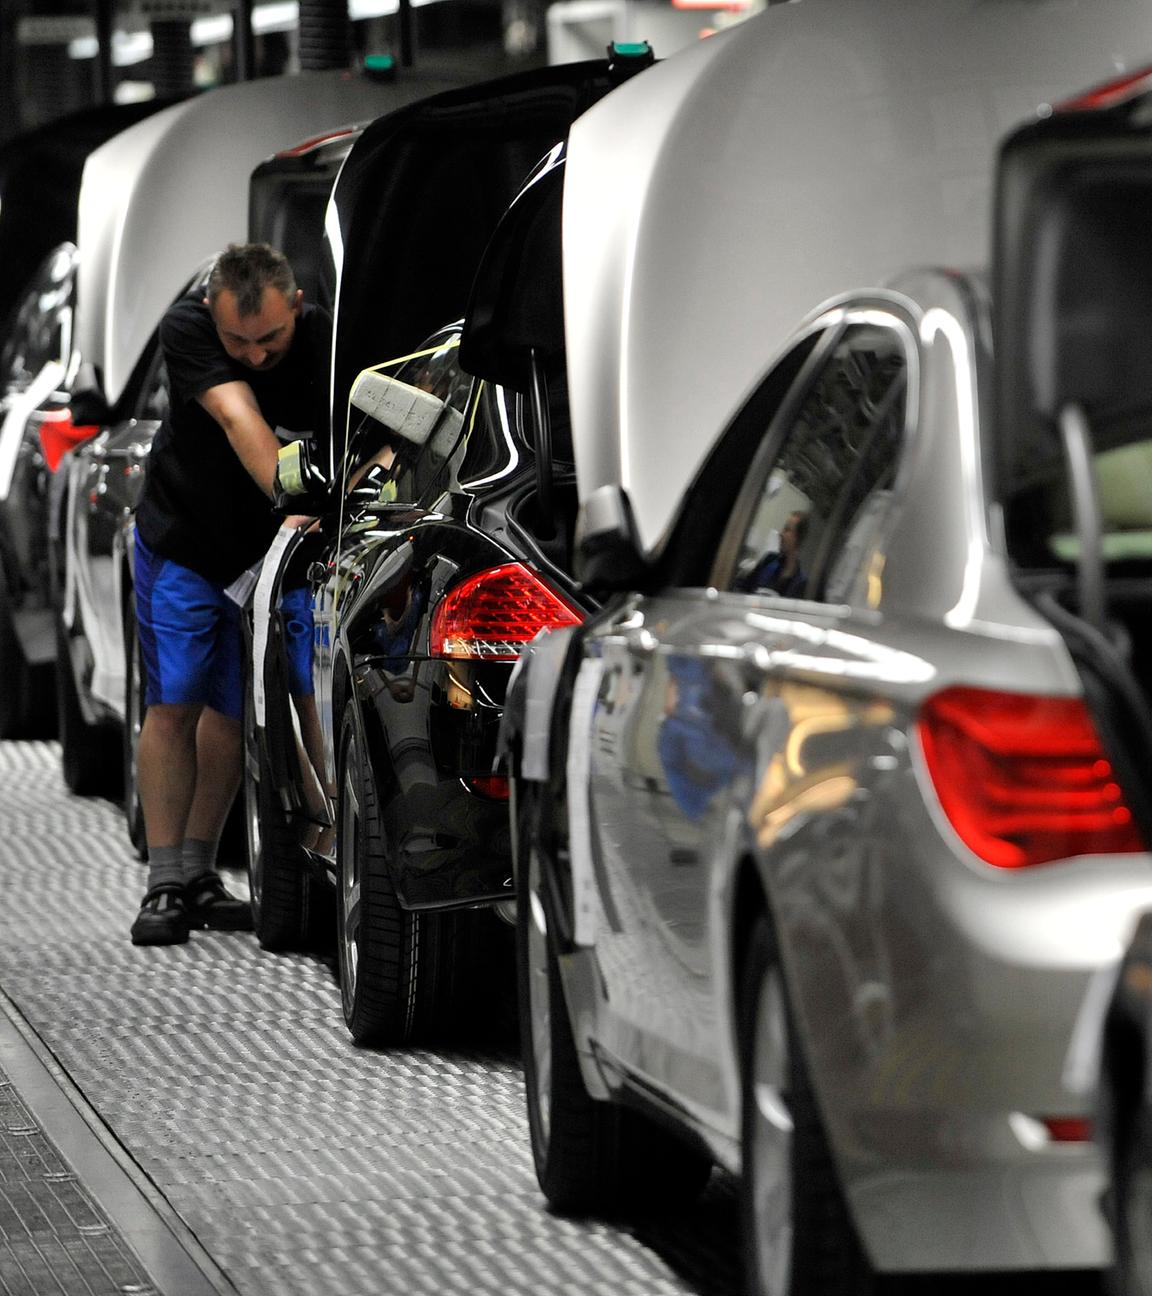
(53, 1235)
(301, 1163)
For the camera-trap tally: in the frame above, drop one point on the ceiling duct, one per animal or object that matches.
(324, 35)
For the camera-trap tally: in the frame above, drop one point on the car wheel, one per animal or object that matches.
(88, 757)
(285, 895)
(396, 965)
(590, 1156)
(134, 708)
(26, 703)
(1132, 1203)
(798, 1234)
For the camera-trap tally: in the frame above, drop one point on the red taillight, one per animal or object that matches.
(1068, 1129)
(1024, 779)
(1109, 94)
(492, 615)
(494, 786)
(58, 435)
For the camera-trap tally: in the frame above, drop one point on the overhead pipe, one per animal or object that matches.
(104, 19)
(243, 41)
(172, 57)
(324, 36)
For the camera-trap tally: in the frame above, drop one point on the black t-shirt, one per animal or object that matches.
(200, 507)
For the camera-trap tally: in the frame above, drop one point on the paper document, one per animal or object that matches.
(262, 614)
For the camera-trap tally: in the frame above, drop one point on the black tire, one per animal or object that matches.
(591, 1156)
(399, 976)
(826, 1255)
(89, 756)
(134, 684)
(27, 707)
(1124, 1117)
(285, 894)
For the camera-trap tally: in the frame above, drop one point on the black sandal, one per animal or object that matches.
(163, 917)
(210, 905)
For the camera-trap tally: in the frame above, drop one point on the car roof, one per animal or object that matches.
(821, 147)
(172, 190)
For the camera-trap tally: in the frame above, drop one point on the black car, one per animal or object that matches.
(429, 570)
(427, 573)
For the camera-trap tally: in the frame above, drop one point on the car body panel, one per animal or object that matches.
(738, 745)
(849, 142)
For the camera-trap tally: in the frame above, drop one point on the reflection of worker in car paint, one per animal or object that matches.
(779, 572)
(245, 363)
(392, 636)
(299, 631)
(695, 750)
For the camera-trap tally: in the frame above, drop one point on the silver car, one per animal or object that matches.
(825, 821)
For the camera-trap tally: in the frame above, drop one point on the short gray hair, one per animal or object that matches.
(246, 269)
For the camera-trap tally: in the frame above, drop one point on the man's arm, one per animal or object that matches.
(233, 405)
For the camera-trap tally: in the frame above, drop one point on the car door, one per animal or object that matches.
(690, 715)
(106, 480)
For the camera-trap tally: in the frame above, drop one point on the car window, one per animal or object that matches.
(407, 471)
(809, 528)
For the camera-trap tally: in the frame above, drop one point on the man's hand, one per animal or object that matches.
(298, 521)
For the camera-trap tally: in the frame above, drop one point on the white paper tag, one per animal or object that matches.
(262, 614)
(584, 901)
(24, 404)
(543, 660)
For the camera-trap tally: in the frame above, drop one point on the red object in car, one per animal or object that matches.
(1110, 94)
(58, 435)
(494, 786)
(1068, 1129)
(1024, 779)
(492, 614)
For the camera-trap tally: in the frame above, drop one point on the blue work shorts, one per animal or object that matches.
(190, 636)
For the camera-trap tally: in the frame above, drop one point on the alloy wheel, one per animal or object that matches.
(255, 838)
(349, 881)
(539, 1005)
(771, 1143)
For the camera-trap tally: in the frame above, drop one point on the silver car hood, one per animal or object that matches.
(821, 147)
(173, 190)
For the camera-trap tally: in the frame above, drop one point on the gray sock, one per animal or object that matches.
(165, 866)
(199, 858)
